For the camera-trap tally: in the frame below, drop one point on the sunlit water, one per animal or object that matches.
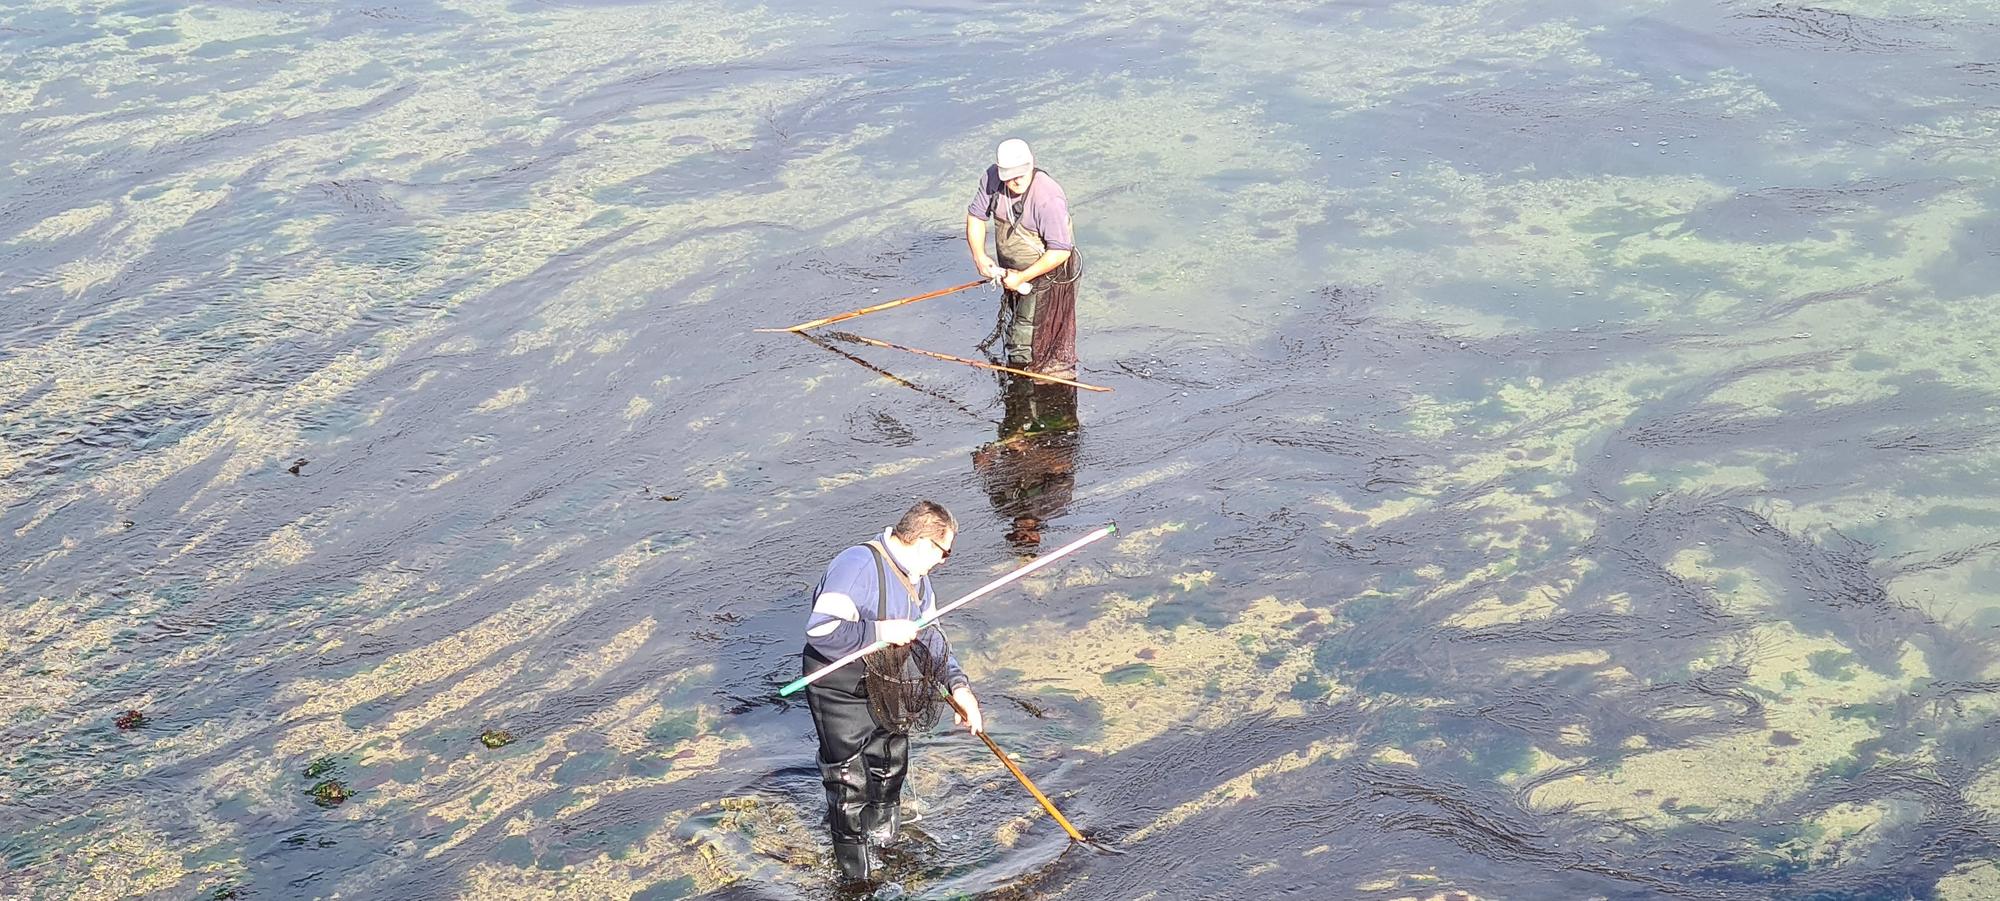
(1553, 443)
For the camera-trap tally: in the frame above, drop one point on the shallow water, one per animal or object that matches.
(1553, 445)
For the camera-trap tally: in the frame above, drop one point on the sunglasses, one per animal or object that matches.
(944, 552)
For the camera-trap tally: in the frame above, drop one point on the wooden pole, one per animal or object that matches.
(846, 336)
(843, 317)
(1026, 783)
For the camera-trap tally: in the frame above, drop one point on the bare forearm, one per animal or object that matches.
(975, 238)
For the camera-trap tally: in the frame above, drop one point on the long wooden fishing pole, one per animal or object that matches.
(1026, 783)
(939, 613)
(843, 317)
(848, 336)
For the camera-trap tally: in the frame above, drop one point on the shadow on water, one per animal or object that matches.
(263, 639)
(1451, 725)
(1601, 676)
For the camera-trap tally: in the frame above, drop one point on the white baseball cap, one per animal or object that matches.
(1014, 159)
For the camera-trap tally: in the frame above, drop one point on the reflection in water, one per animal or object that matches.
(1029, 470)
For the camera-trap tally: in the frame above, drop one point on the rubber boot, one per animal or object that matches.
(846, 800)
(887, 766)
(855, 867)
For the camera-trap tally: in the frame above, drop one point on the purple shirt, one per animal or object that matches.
(1045, 213)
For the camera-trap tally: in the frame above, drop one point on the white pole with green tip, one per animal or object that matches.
(978, 593)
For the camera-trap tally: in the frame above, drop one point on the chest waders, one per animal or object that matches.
(861, 764)
(1050, 308)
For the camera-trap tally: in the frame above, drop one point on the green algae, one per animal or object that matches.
(676, 728)
(330, 793)
(1133, 673)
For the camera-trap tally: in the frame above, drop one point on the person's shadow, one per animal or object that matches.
(1029, 471)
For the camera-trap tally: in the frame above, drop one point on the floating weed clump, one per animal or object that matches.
(496, 738)
(330, 793)
(325, 791)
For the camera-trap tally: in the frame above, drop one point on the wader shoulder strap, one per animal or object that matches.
(881, 581)
(883, 566)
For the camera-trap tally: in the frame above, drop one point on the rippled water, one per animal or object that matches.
(1553, 445)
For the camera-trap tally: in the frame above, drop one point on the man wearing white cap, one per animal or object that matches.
(1034, 244)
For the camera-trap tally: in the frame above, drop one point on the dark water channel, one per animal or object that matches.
(1553, 446)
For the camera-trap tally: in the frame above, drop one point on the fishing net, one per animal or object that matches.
(904, 682)
(1065, 275)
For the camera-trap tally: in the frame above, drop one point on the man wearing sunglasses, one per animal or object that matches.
(875, 591)
(1029, 215)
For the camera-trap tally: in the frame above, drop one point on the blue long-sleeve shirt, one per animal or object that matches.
(844, 611)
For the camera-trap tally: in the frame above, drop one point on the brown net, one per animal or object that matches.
(904, 682)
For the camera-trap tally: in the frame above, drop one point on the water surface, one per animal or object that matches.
(1553, 445)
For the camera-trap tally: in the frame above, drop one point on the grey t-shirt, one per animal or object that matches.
(1044, 212)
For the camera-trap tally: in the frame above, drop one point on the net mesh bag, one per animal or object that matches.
(904, 682)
